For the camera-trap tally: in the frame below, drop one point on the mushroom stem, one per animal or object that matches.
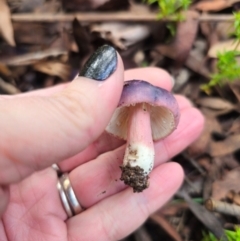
(139, 155)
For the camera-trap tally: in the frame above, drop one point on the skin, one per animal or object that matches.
(46, 126)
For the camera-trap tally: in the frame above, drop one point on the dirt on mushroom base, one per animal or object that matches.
(134, 177)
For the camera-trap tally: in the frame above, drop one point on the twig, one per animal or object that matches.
(108, 17)
(8, 88)
(195, 164)
(222, 207)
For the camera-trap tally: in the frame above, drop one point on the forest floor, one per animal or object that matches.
(46, 42)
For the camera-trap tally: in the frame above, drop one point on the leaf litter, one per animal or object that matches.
(46, 42)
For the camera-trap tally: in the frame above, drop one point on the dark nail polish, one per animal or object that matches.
(101, 64)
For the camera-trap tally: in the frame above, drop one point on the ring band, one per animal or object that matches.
(64, 200)
(71, 197)
(57, 169)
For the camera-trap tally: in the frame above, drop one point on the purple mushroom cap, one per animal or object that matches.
(163, 108)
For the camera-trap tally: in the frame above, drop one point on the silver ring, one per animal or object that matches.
(64, 200)
(71, 197)
(57, 169)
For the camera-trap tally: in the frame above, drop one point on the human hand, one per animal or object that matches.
(67, 123)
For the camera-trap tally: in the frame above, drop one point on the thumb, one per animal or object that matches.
(37, 131)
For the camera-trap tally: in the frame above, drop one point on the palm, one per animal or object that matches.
(35, 212)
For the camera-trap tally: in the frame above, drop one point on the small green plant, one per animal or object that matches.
(170, 8)
(231, 235)
(228, 68)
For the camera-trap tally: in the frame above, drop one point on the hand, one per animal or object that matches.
(64, 123)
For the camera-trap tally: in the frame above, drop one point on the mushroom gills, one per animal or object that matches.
(139, 155)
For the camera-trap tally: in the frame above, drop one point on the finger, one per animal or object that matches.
(155, 76)
(41, 92)
(4, 198)
(35, 211)
(39, 131)
(119, 215)
(106, 142)
(99, 178)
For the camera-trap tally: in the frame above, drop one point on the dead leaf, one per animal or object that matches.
(120, 34)
(197, 65)
(163, 223)
(82, 5)
(213, 174)
(201, 145)
(6, 28)
(104, 5)
(53, 68)
(214, 5)
(25, 5)
(8, 88)
(235, 87)
(172, 208)
(216, 103)
(180, 48)
(229, 145)
(224, 30)
(30, 58)
(116, 5)
(230, 182)
(235, 127)
(228, 45)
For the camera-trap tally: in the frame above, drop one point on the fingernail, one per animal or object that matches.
(101, 64)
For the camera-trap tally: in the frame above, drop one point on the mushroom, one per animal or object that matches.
(145, 113)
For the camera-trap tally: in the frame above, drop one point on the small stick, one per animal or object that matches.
(222, 207)
(234, 197)
(106, 17)
(8, 88)
(195, 164)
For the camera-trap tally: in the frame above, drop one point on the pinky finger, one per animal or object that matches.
(117, 216)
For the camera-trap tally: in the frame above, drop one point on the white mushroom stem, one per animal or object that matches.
(140, 149)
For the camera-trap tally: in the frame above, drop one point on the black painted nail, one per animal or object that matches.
(101, 64)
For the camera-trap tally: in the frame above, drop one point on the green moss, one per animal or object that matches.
(170, 8)
(228, 68)
(231, 235)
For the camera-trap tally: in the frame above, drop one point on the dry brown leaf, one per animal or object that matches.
(228, 183)
(163, 223)
(235, 87)
(201, 145)
(103, 5)
(228, 45)
(6, 28)
(25, 5)
(224, 30)
(8, 88)
(120, 34)
(229, 145)
(82, 5)
(197, 65)
(53, 68)
(216, 103)
(235, 127)
(214, 5)
(31, 58)
(180, 48)
(172, 208)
